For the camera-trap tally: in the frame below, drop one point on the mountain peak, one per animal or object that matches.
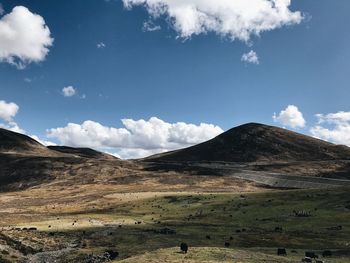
(254, 142)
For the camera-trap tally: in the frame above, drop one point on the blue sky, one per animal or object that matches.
(137, 74)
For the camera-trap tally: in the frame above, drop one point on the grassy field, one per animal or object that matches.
(148, 227)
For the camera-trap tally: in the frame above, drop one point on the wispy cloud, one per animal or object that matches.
(101, 45)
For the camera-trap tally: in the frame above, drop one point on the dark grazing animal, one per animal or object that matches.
(310, 254)
(281, 252)
(278, 229)
(112, 254)
(184, 247)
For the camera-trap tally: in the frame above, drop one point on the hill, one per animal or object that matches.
(255, 142)
(12, 142)
(24, 163)
(81, 152)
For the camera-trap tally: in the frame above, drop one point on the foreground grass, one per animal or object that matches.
(253, 226)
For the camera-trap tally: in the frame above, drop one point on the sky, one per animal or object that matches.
(138, 77)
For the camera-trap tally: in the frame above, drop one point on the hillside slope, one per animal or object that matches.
(254, 142)
(16, 143)
(24, 162)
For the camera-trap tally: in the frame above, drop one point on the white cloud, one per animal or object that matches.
(43, 142)
(236, 19)
(12, 126)
(130, 153)
(8, 110)
(136, 138)
(333, 127)
(101, 45)
(250, 57)
(150, 26)
(24, 37)
(291, 117)
(341, 117)
(68, 91)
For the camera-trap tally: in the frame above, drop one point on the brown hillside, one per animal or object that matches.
(254, 142)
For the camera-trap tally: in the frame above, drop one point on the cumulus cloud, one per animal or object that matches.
(236, 19)
(333, 127)
(137, 137)
(12, 126)
(8, 110)
(291, 116)
(24, 37)
(250, 57)
(68, 91)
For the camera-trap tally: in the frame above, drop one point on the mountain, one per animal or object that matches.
(25, 162)
(16, 143)
(255, 142)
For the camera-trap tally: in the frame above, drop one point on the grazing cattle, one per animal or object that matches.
(227, 244)
(111, 255)
(278, 229)
(310, 254)
(184, 247)
(32, 229)
(307, 259)
(281, 252)
(335, 228)
(326, 253)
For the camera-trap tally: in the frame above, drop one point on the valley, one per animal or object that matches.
(63, 204)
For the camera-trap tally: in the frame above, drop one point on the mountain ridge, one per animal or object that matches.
(254, 142)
